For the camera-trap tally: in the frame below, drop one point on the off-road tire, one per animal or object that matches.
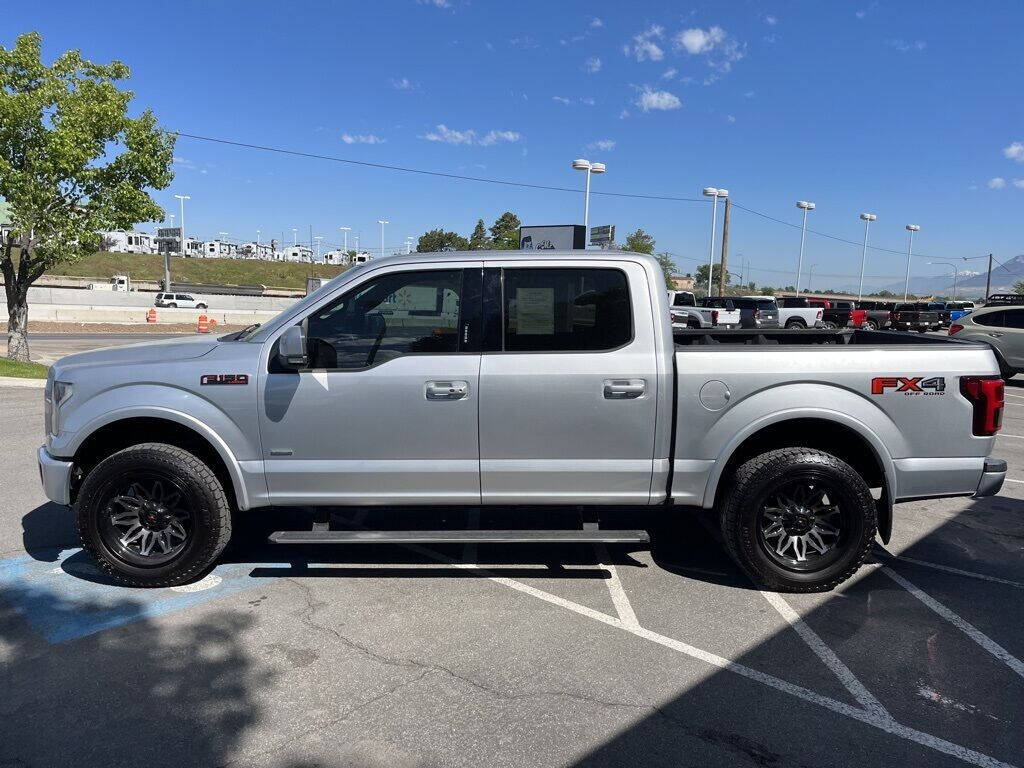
(739, 514)
(870, 325)
(212, 514)
(830, 325)
(795, 324)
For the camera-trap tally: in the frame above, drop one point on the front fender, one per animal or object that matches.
(823, 402)
(177, 405)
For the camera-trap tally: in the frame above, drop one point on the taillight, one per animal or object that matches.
(894, 316)
(820, 315)
(714, 317)
(955, 328)
(757, 314)
(986, 395)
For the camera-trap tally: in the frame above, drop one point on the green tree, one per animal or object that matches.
(505, 232)
(1018, 287)
(72, 163)
(479, 240)
(668, 267)
(639, 242)
(700, 277)
(440, 240)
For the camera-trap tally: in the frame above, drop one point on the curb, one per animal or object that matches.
(14, 382)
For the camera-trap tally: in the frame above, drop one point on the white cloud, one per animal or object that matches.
(730, 118)
(861, 14)
(1018, 183)
(498, 137)
(997, 183)
(650, 99)
(562, 100)
(592, 65)
(402, 85)
(644, 47)
(720, 49)
(435, 3)
(596, 23)
(361, 138)
(605, 145)
(771, 21)
(748, 95)
(905, 46)
(1014, 151)
(446, 135)
(585, 100)
(669, 73)
(623, 114)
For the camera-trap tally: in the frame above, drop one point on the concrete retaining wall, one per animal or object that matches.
(80, 313)
(74, 297)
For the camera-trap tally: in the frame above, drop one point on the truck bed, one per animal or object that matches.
(705, 337)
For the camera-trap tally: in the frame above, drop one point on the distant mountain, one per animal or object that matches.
(972, 286)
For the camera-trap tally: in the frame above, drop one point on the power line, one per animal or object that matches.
(527, 185)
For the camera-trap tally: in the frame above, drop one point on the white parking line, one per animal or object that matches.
(883, 723)
(827, 656)
(1011, 480)
(1015, 437)
(964, 626)
(618, 594)
(950, 569)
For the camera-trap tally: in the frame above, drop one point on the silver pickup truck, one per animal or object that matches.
(509, 378)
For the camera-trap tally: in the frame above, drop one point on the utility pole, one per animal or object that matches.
(725, 247)
(988, 281)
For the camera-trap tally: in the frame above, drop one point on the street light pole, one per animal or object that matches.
(714, 193)
(955, 273)
(805, 207)
(911, 228)
(344, 232)
(585, 165)
(184, 247)
(810, 276)
(382, 222)
(867, 219)
(295, 236)
(318, 238)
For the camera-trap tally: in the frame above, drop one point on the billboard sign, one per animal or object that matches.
(559, 237)
(603, 235)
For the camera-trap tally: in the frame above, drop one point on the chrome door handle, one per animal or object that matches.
(995, 335)
(624, 389)
(446, 390)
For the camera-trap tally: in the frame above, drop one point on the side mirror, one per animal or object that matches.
(291, 348)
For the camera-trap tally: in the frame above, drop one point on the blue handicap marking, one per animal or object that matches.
(68, 597)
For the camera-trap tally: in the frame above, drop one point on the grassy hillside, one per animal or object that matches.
(273, 274)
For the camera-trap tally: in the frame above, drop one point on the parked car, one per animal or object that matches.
(687, 314)
(958, 309)
(876, 314)
(180, 300)
(832, 316)
(857, 316)
(911, 316)
(755, 311)
(1004, 300)
(796, 312)
(1001, 327)
(942, 308)
(559, 384)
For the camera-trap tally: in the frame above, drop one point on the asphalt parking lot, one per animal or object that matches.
(390, 656)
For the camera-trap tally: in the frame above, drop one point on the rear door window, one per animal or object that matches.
(1013, 318)
(994, 319)
(566, 310)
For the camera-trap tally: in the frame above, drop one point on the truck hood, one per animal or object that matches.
(165, 350)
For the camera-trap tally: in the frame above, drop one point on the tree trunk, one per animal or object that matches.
(17, 325)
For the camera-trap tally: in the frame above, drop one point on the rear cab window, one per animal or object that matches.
(560, 309)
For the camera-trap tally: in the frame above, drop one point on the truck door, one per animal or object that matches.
(386, 412)
(568, 384)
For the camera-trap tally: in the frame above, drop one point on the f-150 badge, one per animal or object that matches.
(909, 385)
(224, 378)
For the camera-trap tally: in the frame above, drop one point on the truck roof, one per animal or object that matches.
(500, 255)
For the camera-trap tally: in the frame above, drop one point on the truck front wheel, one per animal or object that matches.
(153, 515)
(798, 520)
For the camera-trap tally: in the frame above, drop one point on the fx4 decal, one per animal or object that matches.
(224, 378)
(909, 385)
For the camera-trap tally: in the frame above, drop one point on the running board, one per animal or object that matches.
(589, 536)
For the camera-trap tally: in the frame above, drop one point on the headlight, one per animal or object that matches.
(60, 394)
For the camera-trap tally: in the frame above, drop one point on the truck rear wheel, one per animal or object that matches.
(153, 515)
(798, 520)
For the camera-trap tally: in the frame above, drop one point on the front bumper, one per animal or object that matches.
(992, 478)
(55, 475)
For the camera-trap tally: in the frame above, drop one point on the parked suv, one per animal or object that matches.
(1001, 328)
(182, 300)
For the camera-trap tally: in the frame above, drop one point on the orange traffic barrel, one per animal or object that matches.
(204, 324)
(151, 316)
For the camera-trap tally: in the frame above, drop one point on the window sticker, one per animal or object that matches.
(535, 311)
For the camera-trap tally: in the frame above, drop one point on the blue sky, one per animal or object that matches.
(911, 111)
